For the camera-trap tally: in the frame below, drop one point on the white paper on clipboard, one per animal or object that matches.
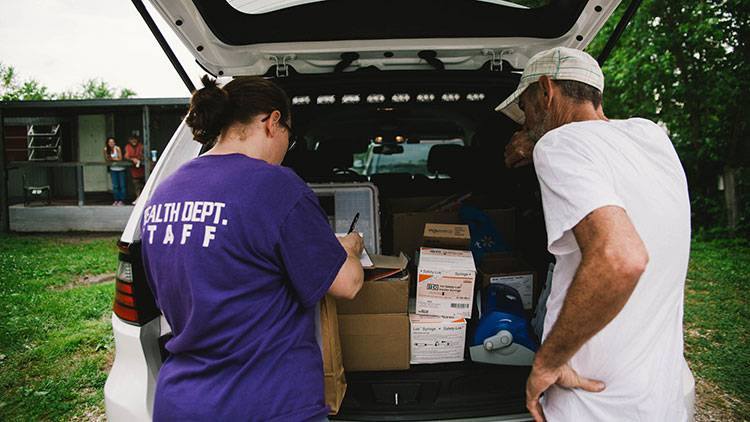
(364, 259)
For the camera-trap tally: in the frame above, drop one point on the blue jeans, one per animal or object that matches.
(118, 184)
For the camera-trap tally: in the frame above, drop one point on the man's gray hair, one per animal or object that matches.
(580, 92)
(577, 91)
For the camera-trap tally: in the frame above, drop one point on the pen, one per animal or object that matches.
(354, 223)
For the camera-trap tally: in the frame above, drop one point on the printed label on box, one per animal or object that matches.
(448, 295)
(524, 283)
(445, 283)
(435, 340)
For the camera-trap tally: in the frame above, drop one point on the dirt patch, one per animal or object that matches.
(72, 237)
(91, 414)
(714, 404)
(86, 280)
(83, 238)
(107, 365)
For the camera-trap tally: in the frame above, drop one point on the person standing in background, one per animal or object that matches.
(113, 154)
(134, 153)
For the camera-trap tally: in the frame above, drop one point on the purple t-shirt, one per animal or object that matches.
(238, 252)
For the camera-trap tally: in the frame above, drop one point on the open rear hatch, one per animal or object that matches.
(302, 37)
(252, 37)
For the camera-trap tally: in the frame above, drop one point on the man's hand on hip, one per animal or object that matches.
(542, 378)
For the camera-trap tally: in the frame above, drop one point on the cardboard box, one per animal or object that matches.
(334, 380)
(436, 339)
(449, 236)
(389, 295)
(408, 227)
(445, 283)
(512, 271)
(375, 342)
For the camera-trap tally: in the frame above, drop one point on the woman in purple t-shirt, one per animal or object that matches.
(237, 252)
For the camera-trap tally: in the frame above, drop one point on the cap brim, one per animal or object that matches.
(510, 107)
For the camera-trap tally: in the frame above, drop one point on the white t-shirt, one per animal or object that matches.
(631, 164)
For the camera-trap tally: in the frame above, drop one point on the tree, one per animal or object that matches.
(685, 65)
(95, 89)
(13, 90)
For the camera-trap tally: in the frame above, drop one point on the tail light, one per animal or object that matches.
(134, 303)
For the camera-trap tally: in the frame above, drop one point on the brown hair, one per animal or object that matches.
(109, 149)
(213, 109)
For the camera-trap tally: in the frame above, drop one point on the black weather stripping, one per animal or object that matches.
(164, 45)
(617, 33)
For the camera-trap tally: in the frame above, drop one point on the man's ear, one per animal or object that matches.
(546, 90)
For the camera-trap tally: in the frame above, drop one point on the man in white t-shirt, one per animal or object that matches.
(618, 222)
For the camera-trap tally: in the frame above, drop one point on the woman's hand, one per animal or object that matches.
(353, 243)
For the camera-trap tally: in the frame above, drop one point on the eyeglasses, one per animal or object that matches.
(292, 136)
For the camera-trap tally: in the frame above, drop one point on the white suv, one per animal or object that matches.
(368, 80)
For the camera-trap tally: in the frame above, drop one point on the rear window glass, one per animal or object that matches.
(412, 160)
(255, 7)
(250, 22)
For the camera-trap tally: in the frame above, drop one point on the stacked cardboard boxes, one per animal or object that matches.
(374, 327)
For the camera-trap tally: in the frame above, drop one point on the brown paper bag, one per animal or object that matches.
(333, 362)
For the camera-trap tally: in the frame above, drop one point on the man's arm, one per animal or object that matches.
(613, 259)
(134, 156)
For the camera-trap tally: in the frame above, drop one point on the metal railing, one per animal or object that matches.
(78, 165)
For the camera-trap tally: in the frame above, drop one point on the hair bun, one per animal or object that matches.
(208, 111)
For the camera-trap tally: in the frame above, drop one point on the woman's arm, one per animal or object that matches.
(351, 276)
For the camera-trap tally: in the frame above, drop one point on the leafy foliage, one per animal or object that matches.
(11, 89)
(685, 65)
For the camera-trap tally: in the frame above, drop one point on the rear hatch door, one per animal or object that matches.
(255, 37)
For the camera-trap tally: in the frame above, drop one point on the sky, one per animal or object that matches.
(62, 43)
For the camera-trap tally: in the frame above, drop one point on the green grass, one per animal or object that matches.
(56, 344)
(717, 318)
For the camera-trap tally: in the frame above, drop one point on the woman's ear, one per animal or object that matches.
(272, 124)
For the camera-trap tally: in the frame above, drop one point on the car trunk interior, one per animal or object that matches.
(471, 170)
(335, 133)
(425, 139)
